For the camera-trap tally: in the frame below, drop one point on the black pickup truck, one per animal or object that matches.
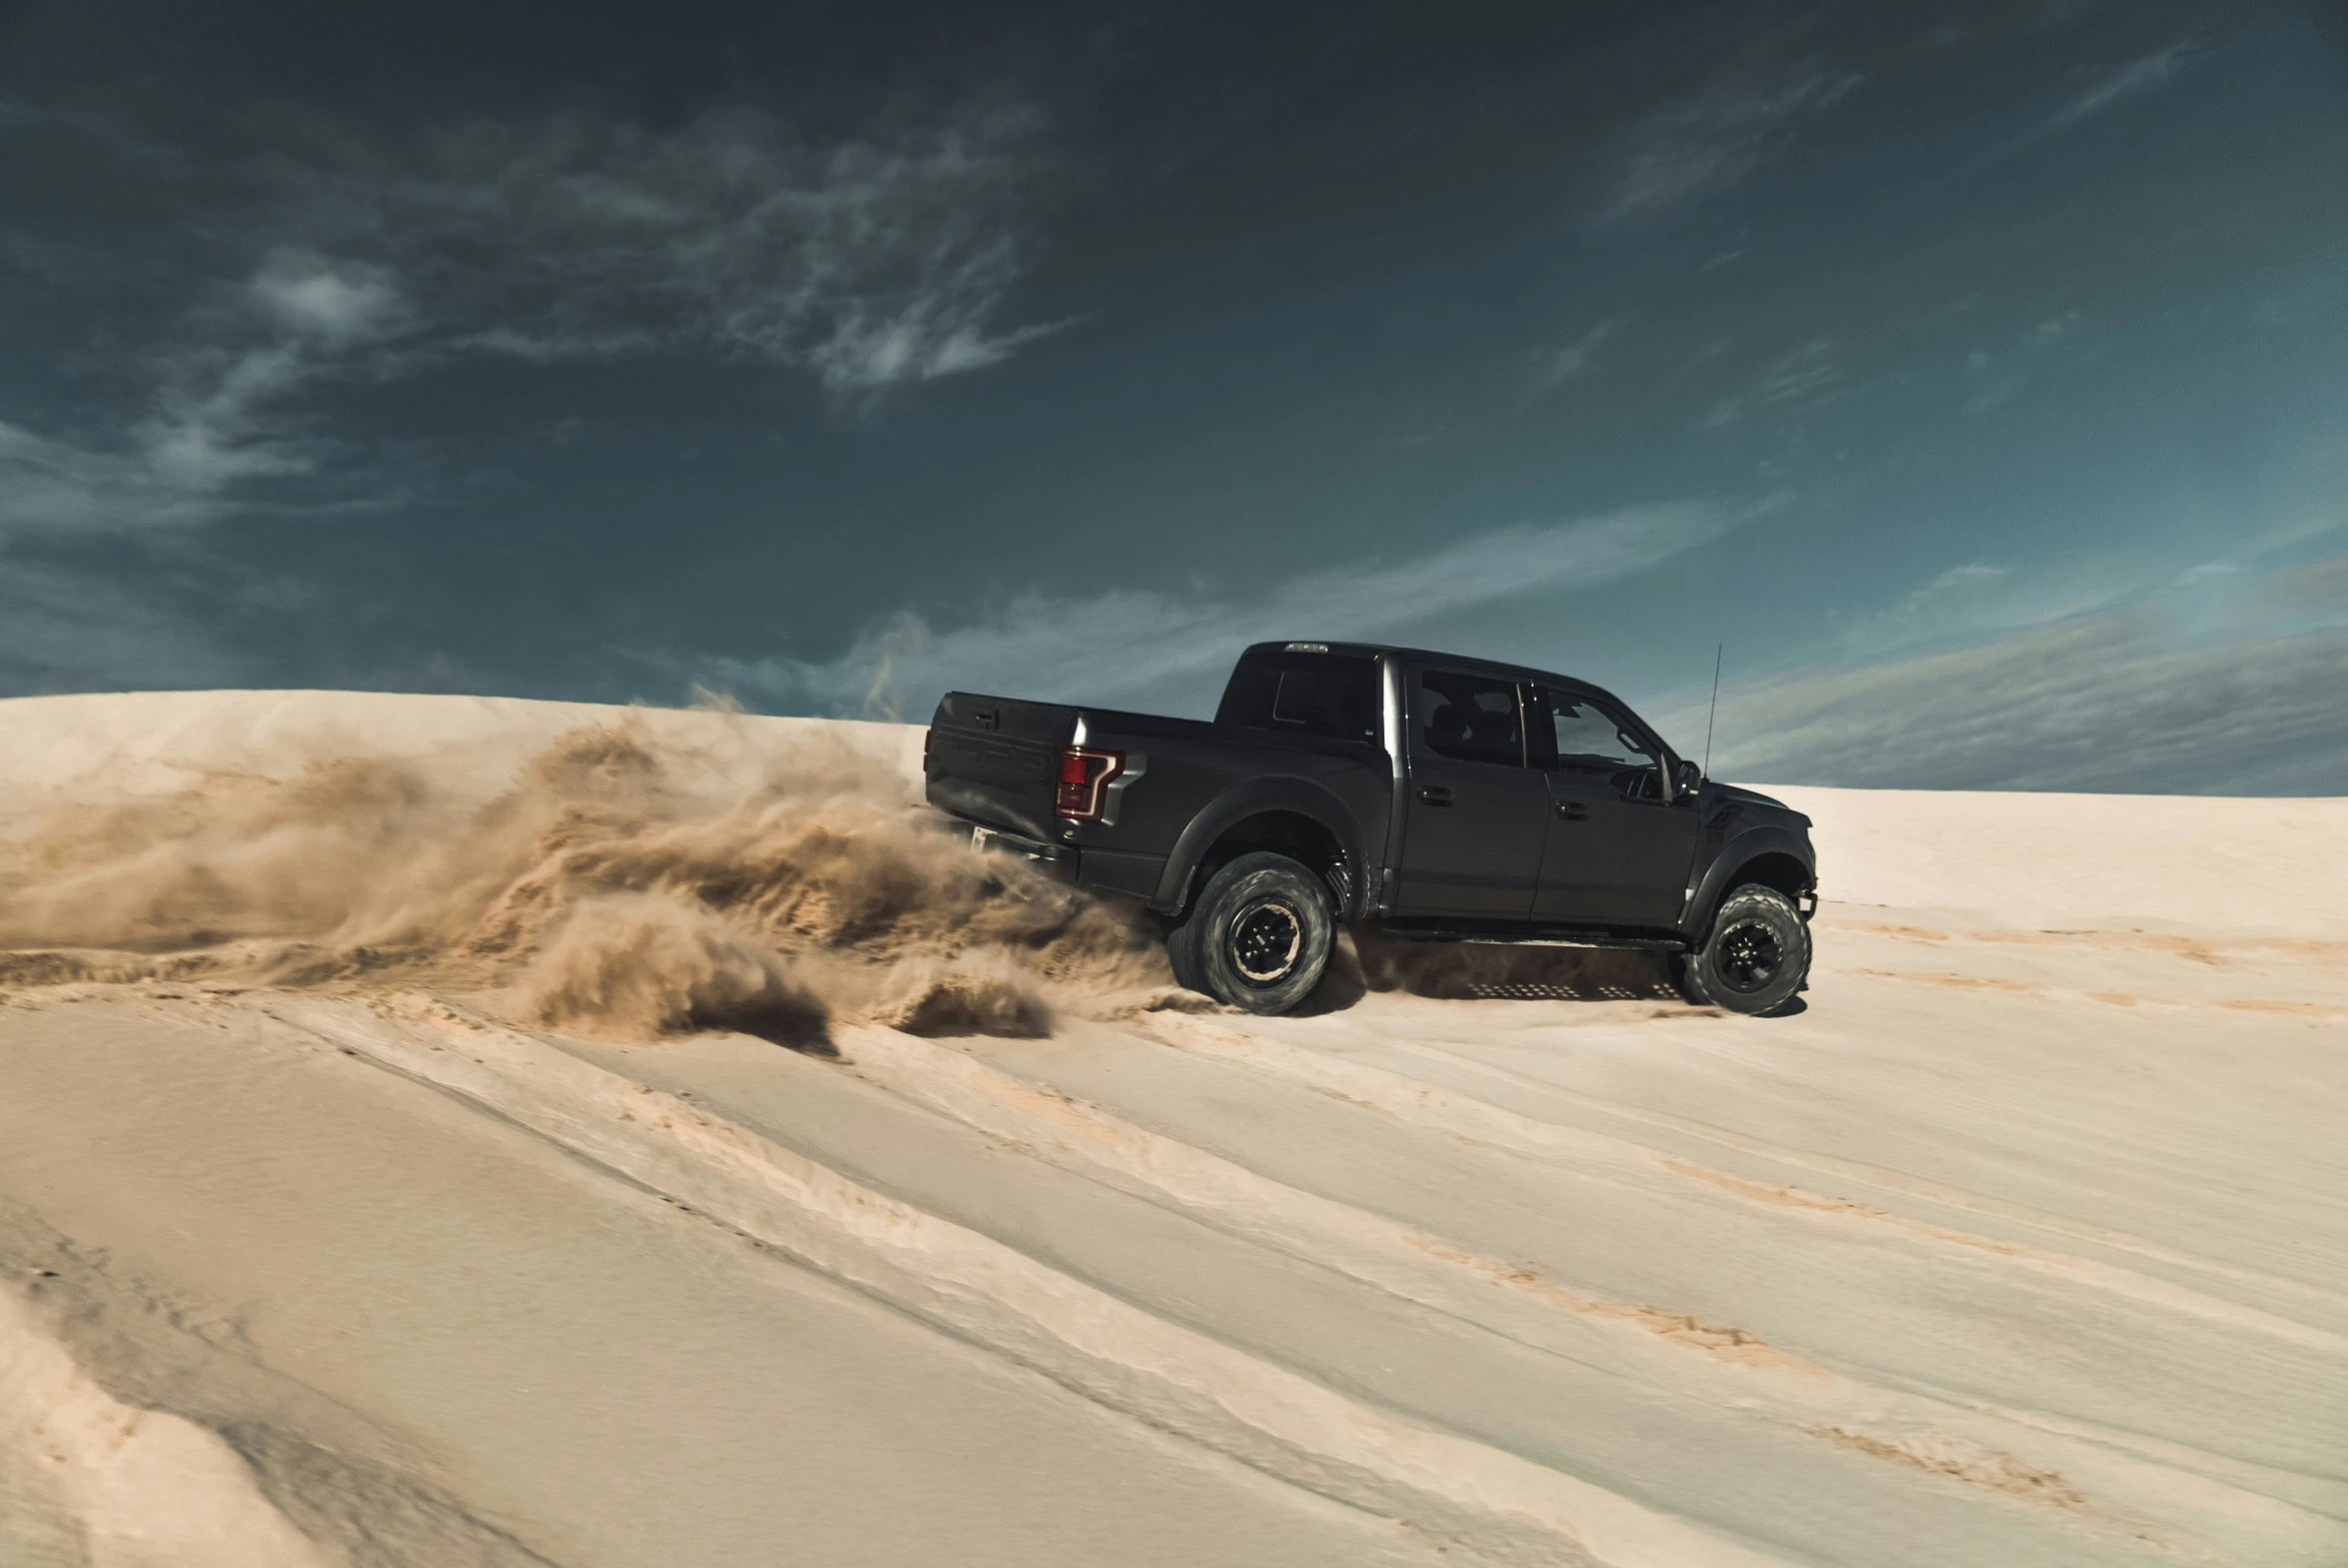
(1451, 799)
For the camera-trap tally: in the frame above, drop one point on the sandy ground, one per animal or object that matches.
(2024, 1243)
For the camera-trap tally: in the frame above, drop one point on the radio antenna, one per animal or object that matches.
(1717, 650)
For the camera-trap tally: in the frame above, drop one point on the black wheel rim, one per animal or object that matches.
(1266, 940)
(1747, 956)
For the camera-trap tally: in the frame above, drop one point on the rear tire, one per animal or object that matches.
(1754, 958)
(1257, 937)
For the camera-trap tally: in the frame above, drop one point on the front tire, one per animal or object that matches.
(1258, 935)
(1756, 957)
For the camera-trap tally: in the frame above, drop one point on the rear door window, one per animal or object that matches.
(1331, 696)
(1469, 718)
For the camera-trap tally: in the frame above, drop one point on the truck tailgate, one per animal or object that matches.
(996, 761)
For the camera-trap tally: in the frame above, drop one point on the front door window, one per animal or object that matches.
(1590, 740)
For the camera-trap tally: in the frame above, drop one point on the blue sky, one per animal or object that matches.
(1977, 373)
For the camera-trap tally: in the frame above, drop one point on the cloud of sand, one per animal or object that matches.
(642, 965)
(619, 886)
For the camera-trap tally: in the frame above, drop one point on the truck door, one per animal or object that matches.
(1618, 853)
(1472, 839)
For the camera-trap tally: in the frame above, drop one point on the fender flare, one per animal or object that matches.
(1739, 852)
(1253, 799)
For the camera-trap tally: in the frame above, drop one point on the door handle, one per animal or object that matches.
(1573, 811)
(1436, 794)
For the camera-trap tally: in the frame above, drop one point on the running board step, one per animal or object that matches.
(1553, 938)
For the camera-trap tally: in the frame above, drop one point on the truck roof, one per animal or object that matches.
(1377, 650)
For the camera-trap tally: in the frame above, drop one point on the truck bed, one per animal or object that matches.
(995, 762)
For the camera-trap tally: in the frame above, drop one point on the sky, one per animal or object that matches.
(1973, 378)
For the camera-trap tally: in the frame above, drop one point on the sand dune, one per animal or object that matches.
(442, 1130)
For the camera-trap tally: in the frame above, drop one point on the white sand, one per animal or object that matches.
(2187, 862)
(2026, 1243)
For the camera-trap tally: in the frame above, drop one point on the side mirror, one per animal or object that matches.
(1686, 778)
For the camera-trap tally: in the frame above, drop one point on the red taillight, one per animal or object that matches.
(1084, 783)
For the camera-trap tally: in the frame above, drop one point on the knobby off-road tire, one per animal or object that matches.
(1754, 958)
(1257, 937)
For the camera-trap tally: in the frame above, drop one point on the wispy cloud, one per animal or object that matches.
(48, 483)
(1710, 143)
(2229, 685)
(1174, 645)
(309, 299)
(1997, 379)
(69, 629)
(2143, 75)
(869, 261)
(219, 411)
(1982, 598)
(865, 263)
(1797, 378)
(1547, 368)
(936, 327)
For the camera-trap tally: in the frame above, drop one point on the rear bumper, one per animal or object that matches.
(1103, 871)
(1060, 862)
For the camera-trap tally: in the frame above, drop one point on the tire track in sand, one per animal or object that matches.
(1475, 1120)
(1474, 1500)
(1891, 1181)
(1980, 1445)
